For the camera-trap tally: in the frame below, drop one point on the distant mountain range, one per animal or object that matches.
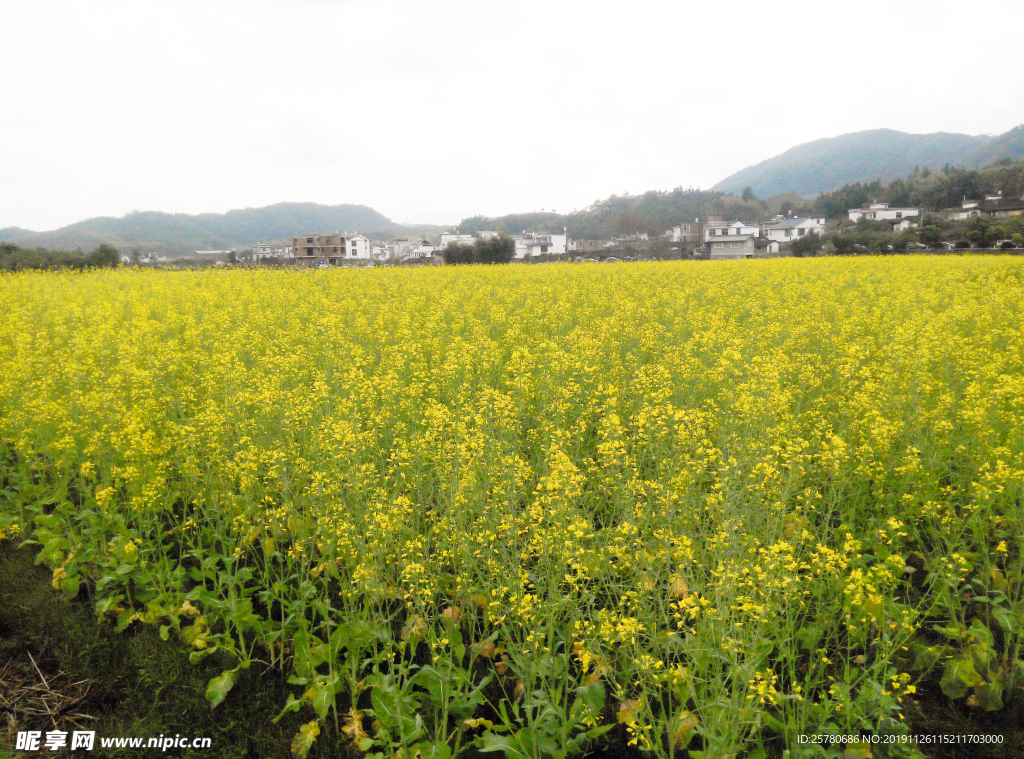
(805, 170)
(180, 234)
(826, 164)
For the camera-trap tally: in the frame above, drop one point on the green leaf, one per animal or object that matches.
(197, 656)
(431, 750)
(395, 710)
(438, 687)
(292, 705)
(365, 744)
(981, 633)
(927, 657)
(958, 677)
(509, 744)
(989, 696)
(596, 732)
(321, 695)
(126, 617)
(70, 586)
(809, 635)
(165, 632)
(303, 740)
(219, 687)
(1006, 619)
(589, 702)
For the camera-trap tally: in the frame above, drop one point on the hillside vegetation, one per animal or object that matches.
(180, 233)
(931, 190)
(882, 154)
(652, 212)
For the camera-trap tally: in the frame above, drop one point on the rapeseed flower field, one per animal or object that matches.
(699, 509)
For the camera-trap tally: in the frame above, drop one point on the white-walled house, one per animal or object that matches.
(261, 251)
(530, 244)
(447, 238)
(787, 230)
(726, 228)
(882, 212)
(359, 247)
(973, 208)
(422, 249)
(902, 225)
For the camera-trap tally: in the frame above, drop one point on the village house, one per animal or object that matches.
(717, 228)
(1003, 208)
(591, 246)
(330, 250)
(782, 229)
(422, 249)
(447, 238)
(359, 247)
(993, 205)
(691, 233)
(882, 212)
(216, 256)
(731, 246)
(901, 225)
(532, 244)
(263, 252)
(970, 208)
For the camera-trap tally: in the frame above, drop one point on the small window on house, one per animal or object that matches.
(309, 239)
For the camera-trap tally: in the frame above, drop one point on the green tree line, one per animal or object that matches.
(13, 258)
(496, 250)
(924, 188)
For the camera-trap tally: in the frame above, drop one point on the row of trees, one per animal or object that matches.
(14, 258)
(494, 250)
(975, 233)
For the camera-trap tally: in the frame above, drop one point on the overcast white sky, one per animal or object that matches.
(433, 110)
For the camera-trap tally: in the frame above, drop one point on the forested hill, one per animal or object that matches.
(931, 190)
(652, 212)
(180, 234)
(876, 154)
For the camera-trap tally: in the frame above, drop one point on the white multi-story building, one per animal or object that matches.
(359, 247)
(422, 249)
(882, 212)
(787, 230)
(447, 238)
(530, 244)
(726, 228)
